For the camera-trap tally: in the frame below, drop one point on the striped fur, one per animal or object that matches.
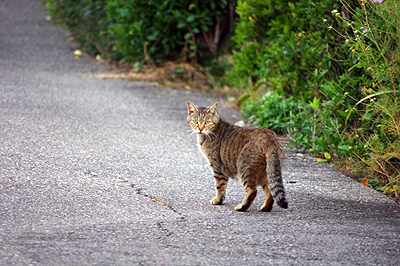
(251, 156)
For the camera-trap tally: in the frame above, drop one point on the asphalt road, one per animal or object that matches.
(105, 172)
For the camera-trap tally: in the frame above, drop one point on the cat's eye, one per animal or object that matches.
(207, 122)
(195, 121)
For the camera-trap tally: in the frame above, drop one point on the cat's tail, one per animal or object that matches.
(274, 175)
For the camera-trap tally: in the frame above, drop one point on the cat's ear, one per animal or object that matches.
(191, 107)
(212, 109)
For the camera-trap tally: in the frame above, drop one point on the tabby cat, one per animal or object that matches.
(251, 156)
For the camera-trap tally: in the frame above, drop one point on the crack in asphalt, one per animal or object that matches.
(163, 229)
(139, 191)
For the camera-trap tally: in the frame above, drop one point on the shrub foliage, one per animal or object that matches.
(338, 60)
(134, 30)
(282, 44)
(84, 18)
(169, 29)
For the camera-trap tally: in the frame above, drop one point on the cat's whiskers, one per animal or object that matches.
(214, 135)
(208, 136)
(193, 132)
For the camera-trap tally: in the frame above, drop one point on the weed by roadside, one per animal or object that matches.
(352, 116)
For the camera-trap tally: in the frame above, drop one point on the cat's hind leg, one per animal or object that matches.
(251, 193)
(220, 186)
(269, 201)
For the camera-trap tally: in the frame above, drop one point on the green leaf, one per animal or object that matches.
(367, 116)
(153, 36)
(344, 147)
(256, 87)
(315, 103)
(180, 25)
(190, 18)
(178, 70)
(342, 114)
(327, 156)
(242, 99)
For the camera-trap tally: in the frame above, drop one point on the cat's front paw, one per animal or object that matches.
(216, 201)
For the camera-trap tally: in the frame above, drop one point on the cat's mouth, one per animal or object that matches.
(207, 134)
(200, 132)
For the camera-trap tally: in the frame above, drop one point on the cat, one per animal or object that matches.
(252, 156)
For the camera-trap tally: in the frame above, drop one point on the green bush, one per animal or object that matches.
(286, 46)
(283, 45)
(337, 63)
(85, 20)
(167, 29)
(272, 111)
(374, 41)
(134, 30)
